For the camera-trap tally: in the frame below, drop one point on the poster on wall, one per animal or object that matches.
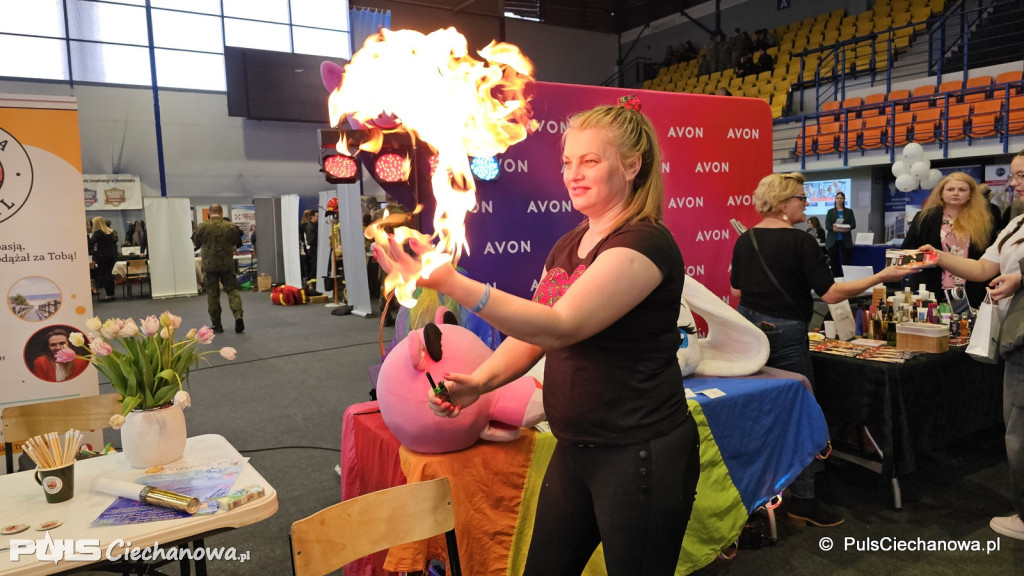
(244, 216)
(112, 191)
(45, 278)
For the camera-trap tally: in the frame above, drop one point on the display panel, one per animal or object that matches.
(821, 195)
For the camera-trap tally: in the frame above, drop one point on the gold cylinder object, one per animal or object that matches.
(166, 499)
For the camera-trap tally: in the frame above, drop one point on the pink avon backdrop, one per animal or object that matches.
(715, 150)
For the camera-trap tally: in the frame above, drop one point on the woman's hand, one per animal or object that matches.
(1004, 286)
(927, 248)
(396, 257)
(463, 389)
(895, 273)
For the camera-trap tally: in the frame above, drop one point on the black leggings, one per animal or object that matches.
(634, 498)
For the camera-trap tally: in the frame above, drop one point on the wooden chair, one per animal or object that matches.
(347, 531)
(84, 413)
(137, 272)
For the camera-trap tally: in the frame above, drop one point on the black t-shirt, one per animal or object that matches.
(795, 260)
(623, 384)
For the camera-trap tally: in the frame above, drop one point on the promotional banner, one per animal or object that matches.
(44, 251)
(715, 149)
(112, 192)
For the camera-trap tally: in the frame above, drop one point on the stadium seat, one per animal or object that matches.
(873, 132)
(956, 121)
(920, 97)
(805, 144)
(897, 97)
(849, 139)
(1016, 115)
(898, 132)
(830, 106)
(873, 104)
(827, 135)
(975, 86)
(983, 120)
(951, 87)
(925, 123)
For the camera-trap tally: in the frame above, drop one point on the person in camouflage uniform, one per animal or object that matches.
(218, 239)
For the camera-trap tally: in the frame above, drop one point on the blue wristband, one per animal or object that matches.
(483, 299)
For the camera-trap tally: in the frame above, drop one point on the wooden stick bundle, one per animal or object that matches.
(51, 451)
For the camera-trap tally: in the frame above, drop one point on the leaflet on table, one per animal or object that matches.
(205, 481)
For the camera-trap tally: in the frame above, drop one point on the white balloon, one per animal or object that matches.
(920, 169)
(912, 152)
(900, 168)
(934, 176)
(906, 183)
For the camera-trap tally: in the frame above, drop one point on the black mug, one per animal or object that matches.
(58, 483)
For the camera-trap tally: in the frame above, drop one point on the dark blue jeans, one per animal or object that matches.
(789, 350)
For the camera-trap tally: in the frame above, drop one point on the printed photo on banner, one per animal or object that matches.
(34, 298)
(112, 192)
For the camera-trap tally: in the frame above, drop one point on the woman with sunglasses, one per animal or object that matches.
(774, 268)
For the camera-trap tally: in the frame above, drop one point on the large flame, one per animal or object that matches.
(430, 87)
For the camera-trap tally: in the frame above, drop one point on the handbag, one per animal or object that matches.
(984, 343)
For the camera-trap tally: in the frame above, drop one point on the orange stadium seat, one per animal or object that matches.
(977, 84)
(956, 121)
(848, 140)
(925, 122)
(920, 96)
(873, 134)
(983, 121)
(899, 129)
(1016, 115)
(805, 143)
(873, 104)
(896, 97)
(827, 135)
(830, 106)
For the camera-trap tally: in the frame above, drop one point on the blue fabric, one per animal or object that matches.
(364, 22)
(791, 429)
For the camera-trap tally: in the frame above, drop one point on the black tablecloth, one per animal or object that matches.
(920, 405)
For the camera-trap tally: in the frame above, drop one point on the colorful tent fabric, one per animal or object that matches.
(754, 440)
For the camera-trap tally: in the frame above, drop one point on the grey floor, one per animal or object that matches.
(280, 403)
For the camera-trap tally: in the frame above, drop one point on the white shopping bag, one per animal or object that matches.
(984, 344)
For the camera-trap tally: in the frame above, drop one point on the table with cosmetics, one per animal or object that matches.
(906, 409)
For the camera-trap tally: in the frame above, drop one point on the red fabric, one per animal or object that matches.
(363, 431)
(285, 295)
(45, 368)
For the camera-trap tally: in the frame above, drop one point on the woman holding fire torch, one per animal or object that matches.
(625, 468)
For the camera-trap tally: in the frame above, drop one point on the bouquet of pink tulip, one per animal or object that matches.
(148, 366)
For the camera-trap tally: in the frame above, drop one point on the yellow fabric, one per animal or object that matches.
(718, 513)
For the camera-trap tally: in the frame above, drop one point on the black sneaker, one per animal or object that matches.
(239, 325)
(807, 510)
(217, 327)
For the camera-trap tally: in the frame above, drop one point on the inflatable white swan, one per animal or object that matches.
(733, 347)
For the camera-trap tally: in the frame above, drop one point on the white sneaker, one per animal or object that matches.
(1011, 526)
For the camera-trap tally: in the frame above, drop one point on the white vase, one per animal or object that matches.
(153, 437)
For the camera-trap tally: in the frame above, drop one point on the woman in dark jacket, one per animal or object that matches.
(839, 235)
(103, 248)
(955, 219)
